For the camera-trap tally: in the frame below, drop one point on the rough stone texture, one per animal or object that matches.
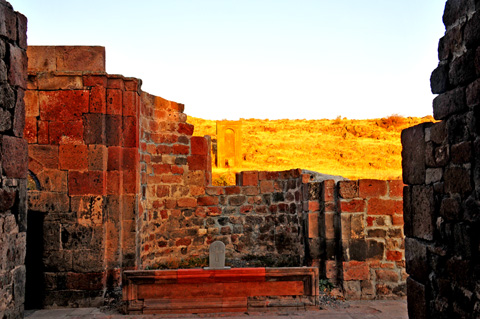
(441, 211)
(13, 162)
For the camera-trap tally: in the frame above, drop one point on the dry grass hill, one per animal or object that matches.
(354, 149)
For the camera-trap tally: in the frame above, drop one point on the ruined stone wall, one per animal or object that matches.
(441, 167)
(13, 161)
(82, 130)
(356, 236)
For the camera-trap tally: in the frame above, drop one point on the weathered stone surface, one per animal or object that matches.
(449, 103)
(14, 157)
(416, 300)
(439, 79)
(413, 154)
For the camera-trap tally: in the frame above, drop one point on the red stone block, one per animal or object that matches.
(207, 201)
(65, 132)
(73, 157)
(370, 221)
(130, 159)
(114, 183)
(114, 102)
(313, 206)
(185, 128)
(313, 225)
(30, 130)
(214, 211)
(197, 162)
(94, 128)
(114, 161)
(31, 103)
(115, 83)
(86, 183)
(113, 130)
(63, 106)
(395, 188)
(397, 220)
(181, 149)
(384, 275)
(231, 190)
(94, 80)
(14, 157)
(250, 178)
(372, 188)
(132, 84)
(355, 270)
(98, 100)
(199, 145)
(130, 103)
(394, 255)
(131, 182)
(177, 170)
(348, 189)
(183, 242)
(352, 206)
(266, 186)
(329, 189)
(215, 190)
(186, 202)
(378, 206)
(162, 191)
(172, 179)
(42, 133)
(45, 155)
(17, 70)
(80, 58)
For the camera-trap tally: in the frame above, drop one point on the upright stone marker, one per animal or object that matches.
(216, 258)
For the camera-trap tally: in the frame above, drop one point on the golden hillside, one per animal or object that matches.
(354, 149)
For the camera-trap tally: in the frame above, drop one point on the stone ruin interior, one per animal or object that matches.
(100, 180)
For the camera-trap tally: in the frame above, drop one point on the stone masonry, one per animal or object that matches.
(441, 167)
(13, 161)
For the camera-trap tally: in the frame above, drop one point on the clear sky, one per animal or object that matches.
(230, 59)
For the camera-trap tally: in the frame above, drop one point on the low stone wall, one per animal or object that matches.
(13, 161)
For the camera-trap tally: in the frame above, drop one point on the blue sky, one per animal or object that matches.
(230, 59)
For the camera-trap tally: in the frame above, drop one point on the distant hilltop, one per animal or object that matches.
(353, 149)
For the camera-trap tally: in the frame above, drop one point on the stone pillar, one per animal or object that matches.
(229, 144)
(441, 167)
(13, 161)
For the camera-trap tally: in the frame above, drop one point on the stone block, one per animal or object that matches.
(57, 261)
(45, 155)
(456, 10)
(98, 100)
(114, 101)
(14, 158)
(416, 299)
(439, 79)
(30, 130)
(73, 157)
(457, 180)
(185, 128)
(449, 103)
(421, 212)
(462, 69)
(48, 202)
(473, 94)
(248, 178)
(87, 261)
(94, 128)
(348, 189)
(113, 130)
(52, 180)
(41, 58)
(84, 281)
(86, 183)
(416, 259)
(17, 71)
(97, 157)
(199, 145)
(197, 162)
(51, 81)
(461, 153)
(69, 132)
(377, 206)
(471, 34)
(31, 103)
(63, 106)
(18, 124)
(433, 175)
(130, 159)
(413, 154)
(352, 206)
(130, 132)
(355, 270)
(80, 58)
(395, 189)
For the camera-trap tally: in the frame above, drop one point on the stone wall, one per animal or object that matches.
(441, 166)
(13, 161)
(356, 236)
(82, 130)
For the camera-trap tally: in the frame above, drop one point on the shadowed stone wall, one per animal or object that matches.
(441, 167)
(13, 161)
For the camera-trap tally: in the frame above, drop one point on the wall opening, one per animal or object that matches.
(35, 282)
